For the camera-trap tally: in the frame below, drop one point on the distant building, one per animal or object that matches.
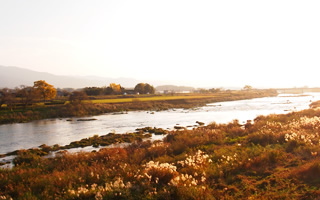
(129, 91)
(168, 92)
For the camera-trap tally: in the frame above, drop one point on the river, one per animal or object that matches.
(62, 132)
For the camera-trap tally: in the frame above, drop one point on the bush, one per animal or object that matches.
(26, 157)
(309, 172)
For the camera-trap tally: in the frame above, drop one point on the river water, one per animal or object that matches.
(62, 132)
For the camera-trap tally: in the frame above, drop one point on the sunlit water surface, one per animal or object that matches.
(62, 132)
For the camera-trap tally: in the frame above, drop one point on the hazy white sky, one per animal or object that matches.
(273, 43)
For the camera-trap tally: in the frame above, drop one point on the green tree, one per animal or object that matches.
(93, 91)
(107, 91)
(148, 89)
(45, 90)
(144, 88)
(139, 88)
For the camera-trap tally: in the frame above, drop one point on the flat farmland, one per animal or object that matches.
(154, 98)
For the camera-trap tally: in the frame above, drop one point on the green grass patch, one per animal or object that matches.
(155, 98)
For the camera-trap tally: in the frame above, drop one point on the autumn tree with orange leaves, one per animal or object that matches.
(45, 90)
(116, 88)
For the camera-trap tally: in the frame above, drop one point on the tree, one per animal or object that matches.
(45, 90)
(247, 87)
(144, 88)
(148, 89)
(77, 97)
(139, 88)
(63, 92)
(107, 91)
(214, 90)
(116, 88)
(93, 91)
(27, 95)
(6, 97)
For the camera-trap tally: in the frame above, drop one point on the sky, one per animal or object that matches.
(214, 43)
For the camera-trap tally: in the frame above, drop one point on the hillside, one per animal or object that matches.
(14, 76)
(174, 88)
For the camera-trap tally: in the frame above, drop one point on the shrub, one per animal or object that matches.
(309, 172)
(26, 157)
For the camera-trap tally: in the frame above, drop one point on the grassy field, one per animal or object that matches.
(122, 99)
(154, 98)
(146, 98)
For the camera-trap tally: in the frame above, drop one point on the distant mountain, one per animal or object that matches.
(174, 88)
(14, 76)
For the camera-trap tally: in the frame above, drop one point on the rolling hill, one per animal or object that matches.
(15, 76)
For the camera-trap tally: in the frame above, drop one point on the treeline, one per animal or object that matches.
(41, 91)
(74, 106)
(217, 90)
(26, 95)
(114, 89)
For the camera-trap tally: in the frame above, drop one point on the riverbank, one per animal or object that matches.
(276, 157)
(25, 155)
(100, 106)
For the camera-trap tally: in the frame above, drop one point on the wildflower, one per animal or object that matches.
(98, 196)
(93, 186)
(128, 185)
(195, 161)
(71, 192)
(183, 178)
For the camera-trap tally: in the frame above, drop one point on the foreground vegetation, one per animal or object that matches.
(95, 141)
(276, 157)
(78, 107)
